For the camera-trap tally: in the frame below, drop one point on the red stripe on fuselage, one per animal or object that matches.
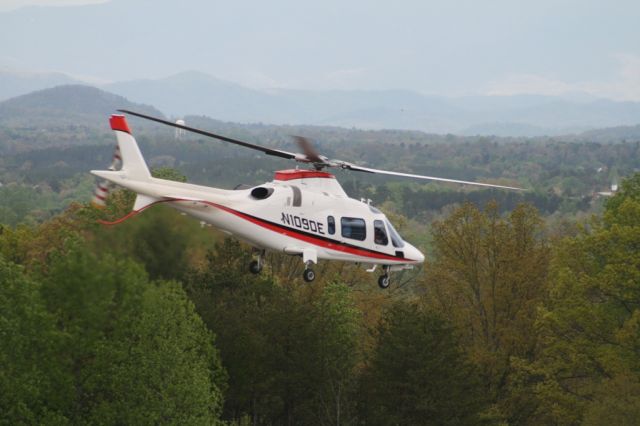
(289, 232)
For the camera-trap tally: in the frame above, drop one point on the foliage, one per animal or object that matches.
(91, 340)
(417, 374)
(590, 323)
(275, 340)
(116, 325)
(488, 276)
(33, 384)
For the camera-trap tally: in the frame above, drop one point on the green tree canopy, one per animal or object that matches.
(290, 351)
(90, 339)
(417, 374)
(591, 322)
(488, 276)
(34, 382)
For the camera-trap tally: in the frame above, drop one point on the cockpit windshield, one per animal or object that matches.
(396, 240)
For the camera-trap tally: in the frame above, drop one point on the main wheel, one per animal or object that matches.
(384, 281)
(309, 275)
(255, 267)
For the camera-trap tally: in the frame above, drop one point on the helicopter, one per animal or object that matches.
(301, 212)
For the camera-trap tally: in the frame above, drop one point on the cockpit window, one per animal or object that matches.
(353, 228)
(380, 233)
(396, 240)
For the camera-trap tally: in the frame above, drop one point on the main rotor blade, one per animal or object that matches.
(308, 149)
(349, 166)
(268, 151)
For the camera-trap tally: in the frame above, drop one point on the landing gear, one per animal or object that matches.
(255, 267)
(309, 257)
(308, 275)
(384, 281)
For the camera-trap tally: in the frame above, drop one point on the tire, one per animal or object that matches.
(255, 267)
(309, 275)
(384, 281)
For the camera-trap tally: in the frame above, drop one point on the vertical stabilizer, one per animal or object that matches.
(133, 163)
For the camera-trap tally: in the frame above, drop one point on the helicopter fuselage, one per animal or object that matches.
(300, 212)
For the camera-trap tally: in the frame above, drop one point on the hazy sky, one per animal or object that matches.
(439, 47)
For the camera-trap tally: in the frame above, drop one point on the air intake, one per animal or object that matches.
(260, 193)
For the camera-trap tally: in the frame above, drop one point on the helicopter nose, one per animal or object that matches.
(414, 254)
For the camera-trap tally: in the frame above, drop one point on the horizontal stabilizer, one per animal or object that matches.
(143, 201)
(111, 175)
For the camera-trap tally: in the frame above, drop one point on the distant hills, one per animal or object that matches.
(71, 115)
(194, 93)
(524, 115)
(611, 134)
(70, 104)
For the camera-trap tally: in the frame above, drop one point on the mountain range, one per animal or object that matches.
(75, 105)
(196, 93)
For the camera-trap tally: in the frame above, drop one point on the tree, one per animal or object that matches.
(34, 384)
(290, 350)
(488, 276)
(160, 246)
(161, 368)
(591, 321)
(337, 325)
(137, 352)
(417, 374)
(616, 401)
(160, 238)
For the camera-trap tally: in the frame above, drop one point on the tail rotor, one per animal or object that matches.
(101, 192)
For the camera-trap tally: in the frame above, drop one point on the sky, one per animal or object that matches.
(451, 48)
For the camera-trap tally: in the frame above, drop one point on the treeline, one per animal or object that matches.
(415, 201)
(146, 323)
(561, 177)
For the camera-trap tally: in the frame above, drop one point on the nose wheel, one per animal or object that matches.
(384, 281)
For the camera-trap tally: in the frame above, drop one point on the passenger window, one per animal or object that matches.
(353, 228)
(331, 225)
(380, 233)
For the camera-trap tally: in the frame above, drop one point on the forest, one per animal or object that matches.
(49, 171)
(526, 311)
(157, 321)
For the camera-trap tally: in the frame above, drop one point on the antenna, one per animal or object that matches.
(180, 132)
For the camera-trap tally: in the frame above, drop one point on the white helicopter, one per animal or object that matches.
(301, 212)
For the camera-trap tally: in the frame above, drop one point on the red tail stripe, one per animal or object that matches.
(119, 122)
